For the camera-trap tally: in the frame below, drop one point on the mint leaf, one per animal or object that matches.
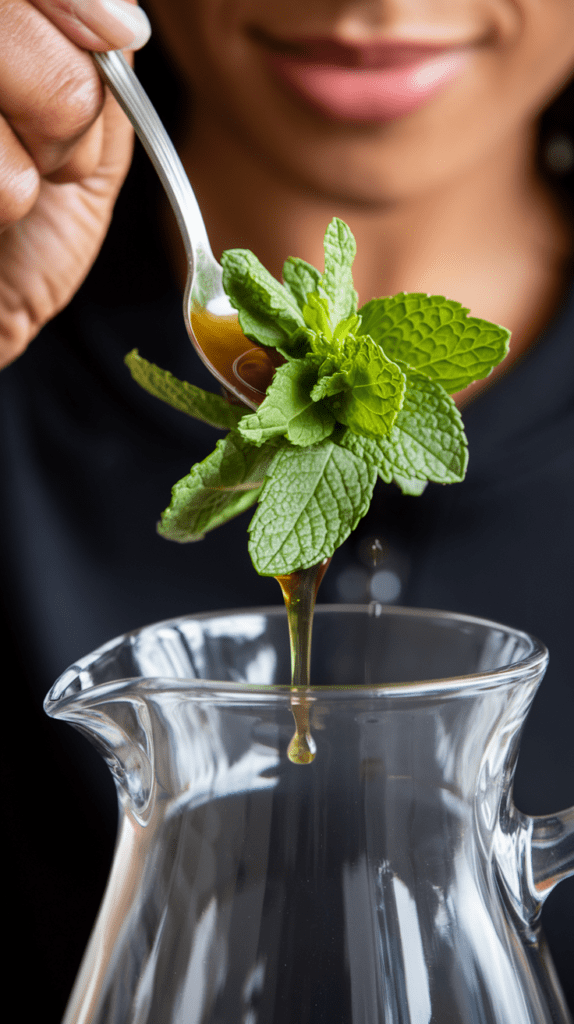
(327, 342)
(427, 441)
(311, 500)
(376, 387)
(268, 313)
(317, 319)
(226, 483)
(289, 408)
(411, 487)
(202, 405)
(337, 281)
(350, 325)
(300, 279)
(369, 450)
(329, 385)
(435, 336)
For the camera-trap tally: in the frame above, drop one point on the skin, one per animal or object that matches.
(65, 148)
(443, 200)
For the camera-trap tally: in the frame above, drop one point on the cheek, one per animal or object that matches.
(543, 59)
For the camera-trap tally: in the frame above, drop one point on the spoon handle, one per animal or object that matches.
(132, 98)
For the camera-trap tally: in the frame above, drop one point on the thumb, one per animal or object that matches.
(99, 24)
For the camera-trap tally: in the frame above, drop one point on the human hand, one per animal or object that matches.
(65, 148)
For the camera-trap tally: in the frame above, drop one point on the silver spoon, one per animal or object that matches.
(243, 368)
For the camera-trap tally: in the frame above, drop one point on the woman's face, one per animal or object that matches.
(371, 101)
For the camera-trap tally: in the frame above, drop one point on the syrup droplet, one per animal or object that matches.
(299, 593)
(302, 748)
(376, 552)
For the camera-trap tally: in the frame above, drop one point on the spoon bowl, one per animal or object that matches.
(244, 368)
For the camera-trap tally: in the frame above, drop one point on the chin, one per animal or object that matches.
(374, 184)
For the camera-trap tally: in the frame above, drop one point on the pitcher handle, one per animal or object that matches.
(551, 850)
(532, 854)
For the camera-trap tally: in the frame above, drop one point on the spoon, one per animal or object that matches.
(242, 367)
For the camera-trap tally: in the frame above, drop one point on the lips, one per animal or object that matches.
(372, 83)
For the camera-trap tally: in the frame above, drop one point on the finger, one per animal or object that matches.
(50, 90)
(45, 256)
(107, 146)
(19, 178)
(83, 158)
(99, 24)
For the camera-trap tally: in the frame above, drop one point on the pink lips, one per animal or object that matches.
(374, 83)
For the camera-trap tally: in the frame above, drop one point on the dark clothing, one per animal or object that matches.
(87, 462)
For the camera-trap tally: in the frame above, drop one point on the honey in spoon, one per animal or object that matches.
(239, 364)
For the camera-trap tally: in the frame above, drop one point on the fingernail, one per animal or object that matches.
(121, 24)
(133, 19)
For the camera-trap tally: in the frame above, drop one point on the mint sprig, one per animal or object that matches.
(362, 393)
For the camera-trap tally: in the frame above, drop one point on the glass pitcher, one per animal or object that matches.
(389, 881)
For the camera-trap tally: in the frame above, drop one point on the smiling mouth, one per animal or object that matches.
(372, 82)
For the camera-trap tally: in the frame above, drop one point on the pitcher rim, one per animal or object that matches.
(532, 663)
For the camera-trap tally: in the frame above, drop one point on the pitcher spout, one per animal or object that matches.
(118, 724)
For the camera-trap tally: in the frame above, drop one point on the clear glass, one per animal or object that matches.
(390, 881)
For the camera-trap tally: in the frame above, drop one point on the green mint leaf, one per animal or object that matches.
(325, 342)
(430, 442)
(376, 388)
(268, 313)
(427, 441)
(435, 336)
(331, 384)
(202, 405)
(300, 279)
(311, 500)
(226, 483)
(411, 487)
(317, 319)
(289, 408)
(337, 281)
(343, 329)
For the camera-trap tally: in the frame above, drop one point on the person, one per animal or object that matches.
(440, 132)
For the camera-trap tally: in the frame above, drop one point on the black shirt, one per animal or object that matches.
(87, 461)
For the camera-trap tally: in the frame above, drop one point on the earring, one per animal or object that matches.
(558, 153)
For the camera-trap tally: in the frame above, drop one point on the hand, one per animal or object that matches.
(65, 148)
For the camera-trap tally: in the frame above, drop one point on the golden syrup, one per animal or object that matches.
(299, 590)
(232, 357)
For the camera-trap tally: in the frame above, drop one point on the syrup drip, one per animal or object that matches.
(233, 358)
(299, 593)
